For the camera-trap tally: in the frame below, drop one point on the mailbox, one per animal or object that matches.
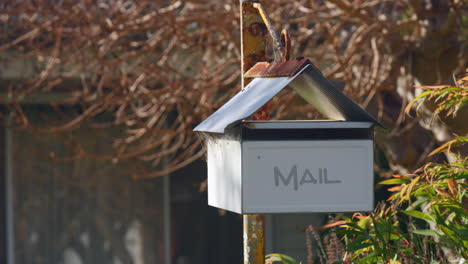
(290, 166)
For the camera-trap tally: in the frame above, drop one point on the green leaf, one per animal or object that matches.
(450, 234)
(358, 245)
(420, 215)
(395, 181)
(395, 237)
(349, 232)
(285, 259)
(463, 233)
(379, 230)
(426, 232)
(422, 95)
(371, 258)
(417, 203)
(424, 191)
(364, 222)
(352, 224)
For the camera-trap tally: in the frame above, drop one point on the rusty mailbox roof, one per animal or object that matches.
(306, 80)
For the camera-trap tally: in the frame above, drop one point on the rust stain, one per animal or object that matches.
(257, 29)
(253, 40)
(254, 240)
(277, 69)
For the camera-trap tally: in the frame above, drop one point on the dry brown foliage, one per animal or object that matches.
(155, 69)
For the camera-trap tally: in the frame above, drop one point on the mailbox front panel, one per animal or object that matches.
(307, 176)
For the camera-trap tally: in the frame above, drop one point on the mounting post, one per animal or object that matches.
(253, 43)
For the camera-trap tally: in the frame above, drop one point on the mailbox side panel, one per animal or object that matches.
(307, 176)
(224, 174)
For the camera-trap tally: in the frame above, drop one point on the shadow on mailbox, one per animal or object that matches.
(290, 166)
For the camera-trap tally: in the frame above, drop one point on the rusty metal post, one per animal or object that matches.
(254, 239)
(253, 43)
(253, 40)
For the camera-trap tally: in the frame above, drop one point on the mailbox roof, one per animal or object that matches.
(309, 83)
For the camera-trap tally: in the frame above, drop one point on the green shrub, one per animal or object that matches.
(425, 220)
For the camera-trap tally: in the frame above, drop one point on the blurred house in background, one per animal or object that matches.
(93, 211)
(57, 209)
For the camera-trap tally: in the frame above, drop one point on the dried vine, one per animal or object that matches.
(157, 68)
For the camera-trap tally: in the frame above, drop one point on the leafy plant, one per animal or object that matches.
(284, 259)
(380, 238)
(427, 212)
(436, 194)
(448, 98)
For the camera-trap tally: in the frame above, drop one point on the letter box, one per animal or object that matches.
(290, 166)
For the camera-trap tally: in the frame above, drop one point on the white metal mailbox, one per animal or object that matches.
(290, 166)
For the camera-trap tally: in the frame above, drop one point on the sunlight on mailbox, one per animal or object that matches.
(290, 166)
